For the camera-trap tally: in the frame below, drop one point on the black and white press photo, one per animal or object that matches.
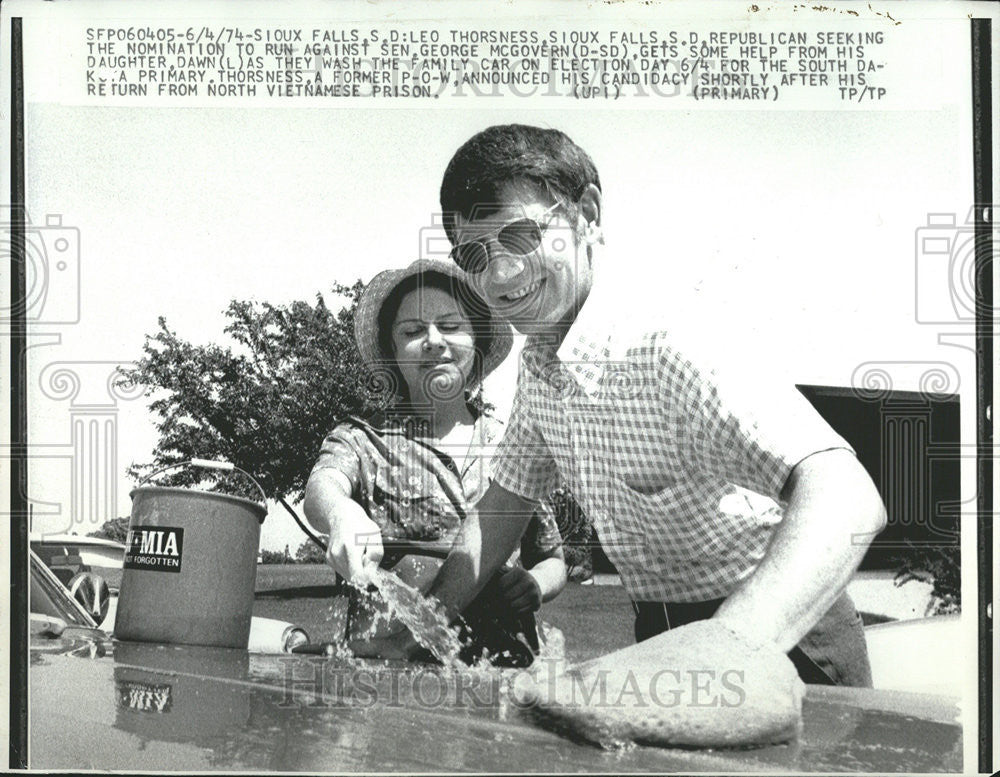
(547, 388)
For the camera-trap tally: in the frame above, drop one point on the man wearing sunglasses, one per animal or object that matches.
(676, 466)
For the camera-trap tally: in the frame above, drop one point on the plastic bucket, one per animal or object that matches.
(190, 566)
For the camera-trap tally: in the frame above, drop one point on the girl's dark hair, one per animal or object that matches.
(507, 153)
(472, 305)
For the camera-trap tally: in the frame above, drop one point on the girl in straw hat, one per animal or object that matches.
(393, 489)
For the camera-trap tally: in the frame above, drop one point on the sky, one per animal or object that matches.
(791, 234)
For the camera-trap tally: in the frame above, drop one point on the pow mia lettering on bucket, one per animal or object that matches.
(144, 697)
(154, 549)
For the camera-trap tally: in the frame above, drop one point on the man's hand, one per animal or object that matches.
(355, 550)
(699, 685)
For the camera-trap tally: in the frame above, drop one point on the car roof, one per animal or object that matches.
(190, 708)
(73, 539)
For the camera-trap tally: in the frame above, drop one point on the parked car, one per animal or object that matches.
(898, 664)
(97, 703)
(69, 557)
(93, 551)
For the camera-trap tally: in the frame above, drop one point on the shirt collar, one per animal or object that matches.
(415, 422)
(591, 342)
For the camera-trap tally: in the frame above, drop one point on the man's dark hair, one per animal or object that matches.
(506, 153)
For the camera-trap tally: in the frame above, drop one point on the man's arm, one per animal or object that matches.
(542, 558)
(833, 512)
(550, 574)
(488, 536)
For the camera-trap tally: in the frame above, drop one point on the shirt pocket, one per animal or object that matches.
(669, 519)
(607, 498)
(644, 455)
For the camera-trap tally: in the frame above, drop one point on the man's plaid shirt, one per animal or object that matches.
(677, 466)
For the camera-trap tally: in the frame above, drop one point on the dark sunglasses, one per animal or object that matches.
(519, 238)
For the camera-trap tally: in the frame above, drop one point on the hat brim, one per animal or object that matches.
(375, 294)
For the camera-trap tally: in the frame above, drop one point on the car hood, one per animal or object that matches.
(97, 704)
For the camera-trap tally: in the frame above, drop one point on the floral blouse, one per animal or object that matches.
(418, 491)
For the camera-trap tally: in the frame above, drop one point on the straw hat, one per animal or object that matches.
(366, 317)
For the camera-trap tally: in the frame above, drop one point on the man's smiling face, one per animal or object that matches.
(528, 260)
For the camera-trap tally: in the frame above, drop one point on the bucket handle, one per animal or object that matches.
(208, 464)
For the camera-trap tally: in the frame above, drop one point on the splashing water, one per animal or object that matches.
(420, 615)
(552, 642)
(405, 604)
(550, 662)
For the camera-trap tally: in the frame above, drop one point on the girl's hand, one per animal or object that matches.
(355, 549)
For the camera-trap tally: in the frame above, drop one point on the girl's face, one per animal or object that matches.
(433, 343)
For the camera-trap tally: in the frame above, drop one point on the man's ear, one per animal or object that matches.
(589, 207)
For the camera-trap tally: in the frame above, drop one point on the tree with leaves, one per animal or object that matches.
(116, 529)
(263, 402)
(266, 400)
(273, 557)
(936, 564)
(309, 553)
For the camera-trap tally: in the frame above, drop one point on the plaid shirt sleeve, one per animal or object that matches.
(339, 452)
(522, 463)
(743, 428)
